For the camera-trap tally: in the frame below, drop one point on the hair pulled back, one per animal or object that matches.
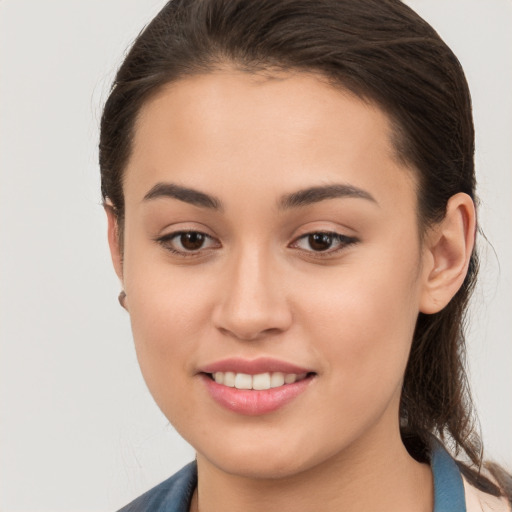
(383, 52)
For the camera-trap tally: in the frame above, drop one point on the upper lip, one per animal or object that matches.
(253, 366)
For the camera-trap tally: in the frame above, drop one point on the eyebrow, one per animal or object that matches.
(297, 199)
(313, 195)
(185, 194)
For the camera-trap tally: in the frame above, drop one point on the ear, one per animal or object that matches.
(447, 251)
(113, 239)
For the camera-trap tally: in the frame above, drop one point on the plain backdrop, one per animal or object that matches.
(78, 429)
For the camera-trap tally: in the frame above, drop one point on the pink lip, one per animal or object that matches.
(251, 402)
(248, 401)
(253, 366)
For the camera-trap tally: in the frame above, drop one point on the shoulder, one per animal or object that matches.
(479, 501)
(171, 495)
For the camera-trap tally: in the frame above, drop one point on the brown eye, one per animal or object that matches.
(320, 241)
(188, 243)
(192, 241)
(324, 243)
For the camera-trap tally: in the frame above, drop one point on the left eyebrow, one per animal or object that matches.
(313, 195)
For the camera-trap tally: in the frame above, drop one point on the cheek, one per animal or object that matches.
(363, 323)
(162, 313)
(166, 326)
(169, 312)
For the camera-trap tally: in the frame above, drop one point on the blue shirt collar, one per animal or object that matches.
(448, 484)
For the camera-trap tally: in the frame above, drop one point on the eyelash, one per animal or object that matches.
(166, 240)
(343, 242)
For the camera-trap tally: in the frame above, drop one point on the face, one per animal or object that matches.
(270, 231)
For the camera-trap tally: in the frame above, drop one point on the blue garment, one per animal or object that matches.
(172, 495)
(448, 484)
(175, 493)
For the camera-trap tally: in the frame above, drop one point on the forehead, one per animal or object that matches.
(280, 131)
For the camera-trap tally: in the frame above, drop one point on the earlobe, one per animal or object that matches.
(448, 249)
(114, 240)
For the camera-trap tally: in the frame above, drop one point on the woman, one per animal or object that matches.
(289, 188)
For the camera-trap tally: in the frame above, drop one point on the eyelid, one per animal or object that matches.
(166, 240)
(344, 241)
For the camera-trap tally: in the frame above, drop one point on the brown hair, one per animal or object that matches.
(383, 52)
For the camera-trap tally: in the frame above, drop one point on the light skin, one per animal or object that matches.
(258, 286)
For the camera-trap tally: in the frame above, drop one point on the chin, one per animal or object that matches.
(276, 459)
(260, 466)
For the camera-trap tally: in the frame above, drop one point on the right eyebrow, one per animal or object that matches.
(185, 194)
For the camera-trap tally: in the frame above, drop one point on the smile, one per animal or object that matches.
(259, 382)
(255, 386)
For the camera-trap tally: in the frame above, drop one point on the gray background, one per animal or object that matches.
(78, 429)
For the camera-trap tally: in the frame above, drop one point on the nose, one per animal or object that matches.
(253, 302)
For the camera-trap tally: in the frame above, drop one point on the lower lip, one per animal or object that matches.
(253, 402)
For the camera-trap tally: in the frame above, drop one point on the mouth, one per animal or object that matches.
(254, 394)
(258, 382)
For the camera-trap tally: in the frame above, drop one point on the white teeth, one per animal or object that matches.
(243, 381)
(229, 379)
(276, 379)
(261, 381)
(290, 378)
(257, 382)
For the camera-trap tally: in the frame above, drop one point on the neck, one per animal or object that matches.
(369, 475)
